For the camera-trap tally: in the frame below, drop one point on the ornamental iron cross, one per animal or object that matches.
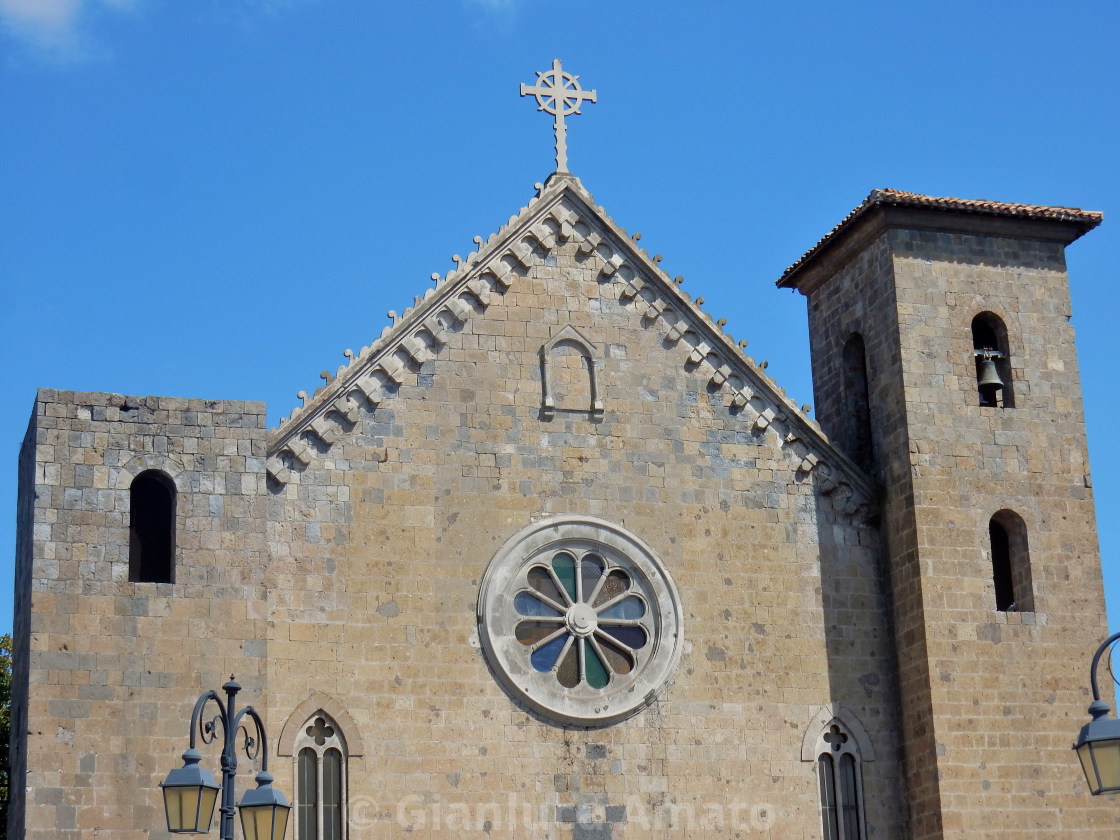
(558, 93)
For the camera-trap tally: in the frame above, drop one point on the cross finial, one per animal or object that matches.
(558, 93)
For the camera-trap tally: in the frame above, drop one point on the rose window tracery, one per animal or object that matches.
(580, 620)
(583, 622)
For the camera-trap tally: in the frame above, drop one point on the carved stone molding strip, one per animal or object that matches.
(415, 337)
(649, 290)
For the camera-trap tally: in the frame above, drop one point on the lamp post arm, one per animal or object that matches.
(260, 746)
(1096, 659)
(196, 723)
(191, 780)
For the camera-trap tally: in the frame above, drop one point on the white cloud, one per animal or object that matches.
(500, 13)
(53, 25)
(495, 5)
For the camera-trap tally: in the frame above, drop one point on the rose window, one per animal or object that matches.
(580, 620)
(583, 622)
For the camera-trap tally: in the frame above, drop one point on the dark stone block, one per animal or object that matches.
(591, 831)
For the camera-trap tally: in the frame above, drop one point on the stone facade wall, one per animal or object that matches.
(383, 538)
(111, 668)
(991, 699)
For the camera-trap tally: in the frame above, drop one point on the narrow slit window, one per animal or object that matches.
(307, 795)
(151, 528)
(856, 434)
(992, 358)
(826, 773)
(1011, 565)
(849, 796)
(332, 795)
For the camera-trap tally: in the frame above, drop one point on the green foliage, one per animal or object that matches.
(5, 702)
(5, 725)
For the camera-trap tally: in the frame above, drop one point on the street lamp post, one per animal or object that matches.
(1098, 745)
(190, 791)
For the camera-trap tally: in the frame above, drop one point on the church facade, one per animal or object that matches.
(553, 557)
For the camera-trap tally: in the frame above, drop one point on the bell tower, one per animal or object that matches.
(944, 363)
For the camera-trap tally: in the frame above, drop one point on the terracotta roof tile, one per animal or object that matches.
(898, 198)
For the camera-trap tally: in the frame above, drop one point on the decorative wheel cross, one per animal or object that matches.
(559, 94)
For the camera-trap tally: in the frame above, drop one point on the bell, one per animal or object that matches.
(989, 376)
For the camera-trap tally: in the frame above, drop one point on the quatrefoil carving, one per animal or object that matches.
(320, 730)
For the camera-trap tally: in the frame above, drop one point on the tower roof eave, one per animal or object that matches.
(886, 208)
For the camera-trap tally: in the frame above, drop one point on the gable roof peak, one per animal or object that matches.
(563, 211)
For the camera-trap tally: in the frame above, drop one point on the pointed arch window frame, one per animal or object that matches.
(820, 743)
(346, 738)
(570, 335)
(320, 740)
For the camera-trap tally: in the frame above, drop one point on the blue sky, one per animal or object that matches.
(215, 198)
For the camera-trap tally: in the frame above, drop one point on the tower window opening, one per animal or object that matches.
(856, 433)
(151, 528)
(993, 361)
(1011, 568)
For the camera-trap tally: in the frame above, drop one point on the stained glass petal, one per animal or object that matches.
(616, 583)
(591, 568)
(568, 672)
(528, 604)
(543, 658)
(564, 565)
(632, 636)
(542, 581)
(597, 676)
(531, 632)
(626, 608)
(616, 658)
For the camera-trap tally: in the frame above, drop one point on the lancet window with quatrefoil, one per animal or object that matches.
(320, 804)
(841, 784)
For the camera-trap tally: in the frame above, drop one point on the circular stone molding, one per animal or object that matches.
(580, 620)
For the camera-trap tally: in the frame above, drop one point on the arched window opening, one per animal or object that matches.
(151, 528)
(855, 435)
(1011, 566)
(568, 375)
(320, 781)
(1001, 567)
(993, 361)
(307, 795)
(841, 786)
(332, 795)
